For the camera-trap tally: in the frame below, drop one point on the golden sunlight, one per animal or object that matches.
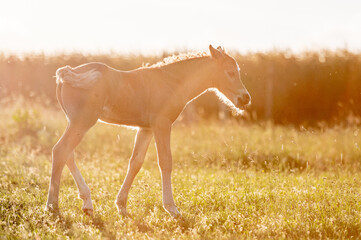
(151, 26)
(186, 119)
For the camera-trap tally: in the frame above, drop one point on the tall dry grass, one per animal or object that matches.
(285, 87)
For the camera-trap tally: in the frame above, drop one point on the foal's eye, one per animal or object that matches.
(231, 74)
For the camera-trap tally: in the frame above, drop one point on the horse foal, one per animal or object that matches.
(149, 98)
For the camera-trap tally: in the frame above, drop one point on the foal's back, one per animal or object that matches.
(96, 91)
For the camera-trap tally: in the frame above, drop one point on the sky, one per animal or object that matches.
(149, 27)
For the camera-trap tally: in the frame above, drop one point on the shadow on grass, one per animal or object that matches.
(66, 223)
(185, 223)
(99, 223)
(143, 226)
(96, 221)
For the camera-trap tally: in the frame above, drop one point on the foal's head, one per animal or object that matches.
(227, 79)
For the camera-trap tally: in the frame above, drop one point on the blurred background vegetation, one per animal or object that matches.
(286, 88)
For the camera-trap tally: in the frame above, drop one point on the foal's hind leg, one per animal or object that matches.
(61, 154)
(141, 144)
(84, 191)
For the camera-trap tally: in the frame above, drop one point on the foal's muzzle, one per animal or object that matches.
(243, 101)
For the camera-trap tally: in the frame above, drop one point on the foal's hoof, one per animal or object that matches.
(52, 209)
(123, 211)
(172, 210)
(88, 211)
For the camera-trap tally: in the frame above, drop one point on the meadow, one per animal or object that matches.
(232, 180)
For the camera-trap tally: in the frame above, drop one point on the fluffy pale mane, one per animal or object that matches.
(176, 58)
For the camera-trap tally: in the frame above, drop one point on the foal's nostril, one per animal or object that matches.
(246, 99)
(242, 101)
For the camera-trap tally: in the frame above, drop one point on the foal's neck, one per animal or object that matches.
(193, 76)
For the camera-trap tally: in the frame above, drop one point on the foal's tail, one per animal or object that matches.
(83, 80)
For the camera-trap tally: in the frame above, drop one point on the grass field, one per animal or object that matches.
(231, 181)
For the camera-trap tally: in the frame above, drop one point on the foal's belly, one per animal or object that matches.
(122, 116)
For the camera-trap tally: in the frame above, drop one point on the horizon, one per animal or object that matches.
(288, 53)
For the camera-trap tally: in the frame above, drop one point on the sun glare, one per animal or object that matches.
(273, 154)
(153, 26)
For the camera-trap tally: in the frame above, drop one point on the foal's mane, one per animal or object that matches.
(176, 58)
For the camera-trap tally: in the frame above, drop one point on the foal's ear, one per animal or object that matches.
(221, 49)
(214, 52)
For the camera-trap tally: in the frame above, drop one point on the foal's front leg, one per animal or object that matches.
(141, 144)
(162, 139)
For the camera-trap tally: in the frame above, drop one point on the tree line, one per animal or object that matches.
(286, 88)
